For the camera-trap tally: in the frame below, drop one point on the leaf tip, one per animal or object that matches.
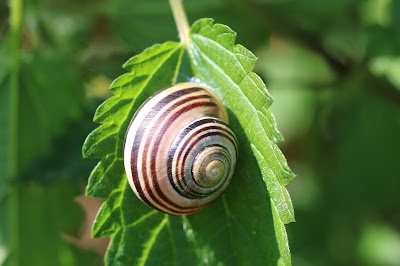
(149, 53)
(201, 23)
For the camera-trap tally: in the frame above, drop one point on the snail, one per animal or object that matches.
(179, 152)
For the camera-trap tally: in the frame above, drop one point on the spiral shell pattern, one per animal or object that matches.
(179, 152)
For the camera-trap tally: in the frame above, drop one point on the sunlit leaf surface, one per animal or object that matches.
(244, 226)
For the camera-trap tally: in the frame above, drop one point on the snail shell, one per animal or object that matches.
(179, 153)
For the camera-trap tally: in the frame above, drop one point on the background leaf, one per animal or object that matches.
(213, 57)
(47, 103)
(47, 207)
(40, 93)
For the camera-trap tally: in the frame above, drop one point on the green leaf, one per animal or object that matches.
(47, 208)
(243, 227)
(49, 96)
(387, 66)
(46, 97)
(231, 84)
(51, 212)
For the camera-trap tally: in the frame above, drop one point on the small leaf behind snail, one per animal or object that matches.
(179, 152)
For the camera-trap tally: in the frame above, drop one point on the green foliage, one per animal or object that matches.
(40, 93)
(48, 211)
(43, 110)
(379, 244)
(48, 103)
(141, 23)
(213, 57)
(332, 68)
(362, 159)
(45, 106)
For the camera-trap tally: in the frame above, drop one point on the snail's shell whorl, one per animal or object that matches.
(179, 152)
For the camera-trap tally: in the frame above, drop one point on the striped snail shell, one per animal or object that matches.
(179, 153)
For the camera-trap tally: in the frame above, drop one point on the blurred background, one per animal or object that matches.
(333, 68)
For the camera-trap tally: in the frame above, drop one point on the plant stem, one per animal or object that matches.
(15, 24)
(180, 20)
(15, 45)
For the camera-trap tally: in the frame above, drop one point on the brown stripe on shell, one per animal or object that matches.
(180, 166)
(176, 144)
(138, 139)
(193, 194)
(173, 149)
(148, 136)
(193, 144)
(164, 101)
(153, 153)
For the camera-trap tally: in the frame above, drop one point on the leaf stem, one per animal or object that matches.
(180, 19)
(15, 45)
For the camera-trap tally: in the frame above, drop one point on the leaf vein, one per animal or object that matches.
(152, 240)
